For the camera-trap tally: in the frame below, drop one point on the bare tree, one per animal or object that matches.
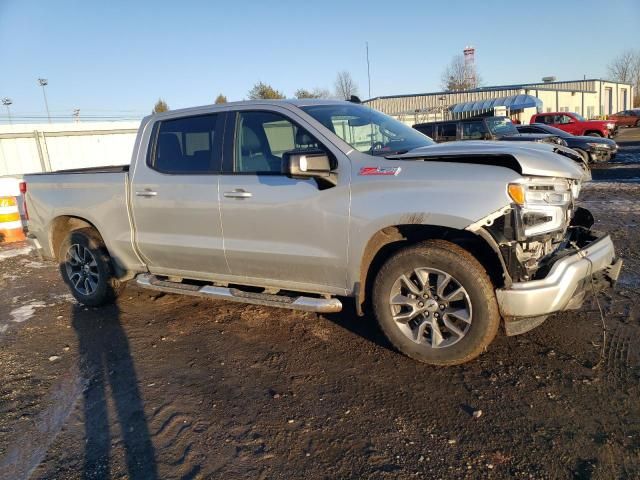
(345, 86)
(315, 93)
(221, 99)
(459, 76)
(160, 106)
(625, 68)
(264, 91)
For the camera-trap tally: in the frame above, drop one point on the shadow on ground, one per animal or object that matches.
(105, 361)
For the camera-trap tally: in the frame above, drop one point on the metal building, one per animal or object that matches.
(591, 98)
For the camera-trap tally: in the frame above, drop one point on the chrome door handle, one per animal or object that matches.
(238, 193)
(146, 193)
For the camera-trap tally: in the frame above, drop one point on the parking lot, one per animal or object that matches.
(166, 386)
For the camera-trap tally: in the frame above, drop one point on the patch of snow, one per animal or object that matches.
(3, 328)
(14, 252)
(32, 264)
(25, 312)
(65, 297)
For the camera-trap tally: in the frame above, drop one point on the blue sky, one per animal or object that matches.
(116, 57)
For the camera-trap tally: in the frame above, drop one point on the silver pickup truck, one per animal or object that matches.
(297, 204)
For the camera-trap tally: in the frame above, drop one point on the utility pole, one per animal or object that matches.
(43, 82)
(6, 101)
(368, 69)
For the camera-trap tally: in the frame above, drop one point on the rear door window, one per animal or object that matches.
(188, 145)
(473, 131)
(428, 130)
(447, 131)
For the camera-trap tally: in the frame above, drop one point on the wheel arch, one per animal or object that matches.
(60, 228)
(386, 241)
(597, 132)
(63, 225)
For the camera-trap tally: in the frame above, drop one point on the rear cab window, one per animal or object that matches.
(187, 145)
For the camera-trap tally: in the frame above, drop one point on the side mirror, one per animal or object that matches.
(306, 165)
(313, 164)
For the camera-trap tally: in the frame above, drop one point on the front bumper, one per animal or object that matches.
(564, 286)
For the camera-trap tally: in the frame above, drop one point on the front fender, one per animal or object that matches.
(423, 193)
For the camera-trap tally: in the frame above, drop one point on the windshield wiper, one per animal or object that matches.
(394, 153)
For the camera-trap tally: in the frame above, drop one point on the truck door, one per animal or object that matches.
(174, 197)
(285, 231)
(570, 124)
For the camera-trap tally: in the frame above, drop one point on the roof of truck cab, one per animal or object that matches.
(297, 102)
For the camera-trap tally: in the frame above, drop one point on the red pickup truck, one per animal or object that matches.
(576, 124)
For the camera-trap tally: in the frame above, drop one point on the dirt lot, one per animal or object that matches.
(163, 386)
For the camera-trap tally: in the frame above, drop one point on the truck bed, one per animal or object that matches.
(98, 195)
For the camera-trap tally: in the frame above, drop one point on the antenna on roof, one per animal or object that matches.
(354, 99)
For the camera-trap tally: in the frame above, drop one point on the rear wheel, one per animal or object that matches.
(436, 303)
(85, 267)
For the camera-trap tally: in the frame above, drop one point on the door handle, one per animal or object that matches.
(238, 193)
(146, 193)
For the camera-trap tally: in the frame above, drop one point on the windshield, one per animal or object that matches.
(367, 130)
(579, 117)
(501, 126)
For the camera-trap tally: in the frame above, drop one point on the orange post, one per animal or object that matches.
(10, 224)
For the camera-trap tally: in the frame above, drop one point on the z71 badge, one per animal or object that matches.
(380, 171)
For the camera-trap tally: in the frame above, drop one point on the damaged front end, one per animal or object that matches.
(549, 253)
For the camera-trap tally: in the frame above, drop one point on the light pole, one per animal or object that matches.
(43, 82)
(6, 101)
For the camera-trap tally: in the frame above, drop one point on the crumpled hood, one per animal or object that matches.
(537, 159)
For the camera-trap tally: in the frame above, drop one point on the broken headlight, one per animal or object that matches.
(544, 205)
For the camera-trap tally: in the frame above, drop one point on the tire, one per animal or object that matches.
(585, 156)
(86, 268)
(594, 134)
(433, 260)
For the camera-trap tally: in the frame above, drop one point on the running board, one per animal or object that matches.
(308, 304)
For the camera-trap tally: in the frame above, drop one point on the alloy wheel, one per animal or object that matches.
(430, 307)
(82, 269)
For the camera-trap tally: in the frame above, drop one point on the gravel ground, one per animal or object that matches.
(165, 386)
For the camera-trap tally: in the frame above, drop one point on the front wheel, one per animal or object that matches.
(436, 304)
(85, 267)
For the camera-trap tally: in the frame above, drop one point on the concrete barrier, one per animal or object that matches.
(34, 148)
